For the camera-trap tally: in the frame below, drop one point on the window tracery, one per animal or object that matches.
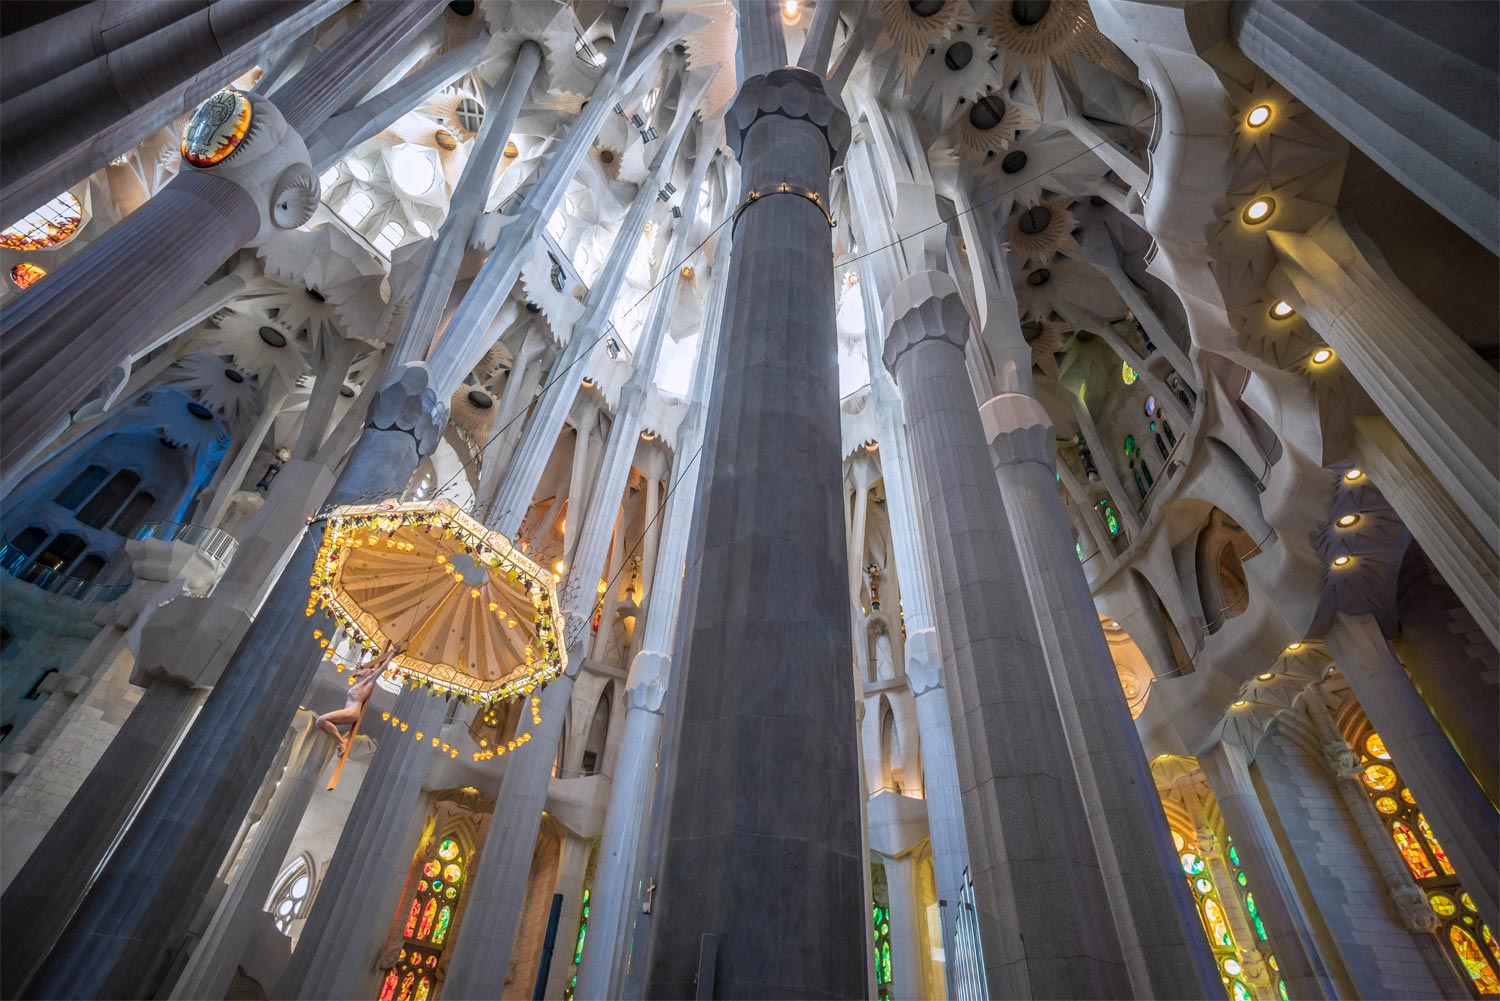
(55, 222)
(293, 893)
(428, 920)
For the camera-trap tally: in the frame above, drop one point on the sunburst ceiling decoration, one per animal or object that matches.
(987, 126)
(1046, 341)
(911, 28)
(216, 384)
(472, 411)
(475, 616)
(1041, 232)
(1066, 28)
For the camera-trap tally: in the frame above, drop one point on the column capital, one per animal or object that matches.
(1018, 429)
(646, 686)
(925, 306)
(270, 161)
(924, 659)
(792, 93)
(410, 402)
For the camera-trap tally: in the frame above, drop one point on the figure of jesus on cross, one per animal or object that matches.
(359, 693)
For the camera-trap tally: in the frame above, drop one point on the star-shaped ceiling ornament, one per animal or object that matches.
(1039, 233)
(1040, 36)
(912, 28)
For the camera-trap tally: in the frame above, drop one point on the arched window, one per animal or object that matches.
(30, 540)
(390, 236)
(426, 922)
(1215, 919)
(593, 749)
(104, 505)
(890, 749)
(82, 487)
(289, 901)
(356, 208)
(53, 223)
(133, 515)
(61, 551)
(88, 568)
(880, 893)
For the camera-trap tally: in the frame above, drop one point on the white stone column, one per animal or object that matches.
(223, 943)
(1289, 932)
(352, 912)
(1426, 381)
(337, 353)
(1461, 815)
(232, 472)
(616, 889)
(1156, 919)
(907, 961)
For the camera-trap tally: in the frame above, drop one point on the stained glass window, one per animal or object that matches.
(882, 925)
(1475, 961)
(53, 223)
(1433, 845)
(1411, 851)
(429, 923)
(26, 274)
(1111, 520)
(1127, 374)
(1380, 777)
(1376, 747)
(1215, 920)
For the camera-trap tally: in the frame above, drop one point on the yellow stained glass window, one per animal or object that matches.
(1127, 374)
(1386, 805)
(1380, 777)
(1433, 846)
(1443, 905)
(1411, 851)
(26, 274)
(1376, 747)
(1474, 960)
(48, 226)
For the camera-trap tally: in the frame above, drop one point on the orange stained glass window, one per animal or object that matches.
(46, 227)
(411, 920)
(406, 985)
(427, 917)
(1434, 846)
(1476, 963)
(1376, 747)
(1411, 850)
(26, 274)
(388, 989)
(1380, 777)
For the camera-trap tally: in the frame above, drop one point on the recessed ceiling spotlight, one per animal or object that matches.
(1347, 520)
(1354, 474)
(1259, 115)
(1239, 703)
(1342, 561)
(1264, 677)
(1293, 647)
(1282, 309)
(1259, 210)
(1322, 356)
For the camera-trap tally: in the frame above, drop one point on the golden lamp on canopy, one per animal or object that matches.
(475, 616)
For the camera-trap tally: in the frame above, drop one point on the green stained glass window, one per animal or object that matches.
(881, 920)
(1111, 520)
(1078, 548)
(1234, 855)
(1130, 444)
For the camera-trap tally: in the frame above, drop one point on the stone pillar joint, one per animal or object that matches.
(410, 402)
(1018, 430)
(925, 306)
(793, 93)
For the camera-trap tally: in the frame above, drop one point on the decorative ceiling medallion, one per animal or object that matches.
(474, 615)
(216, 129)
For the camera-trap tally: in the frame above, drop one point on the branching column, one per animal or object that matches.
(1158, 924)
(762, 839)
(1022, 807)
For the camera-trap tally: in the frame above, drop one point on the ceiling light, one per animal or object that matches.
(560, 566)
(1259, 115)
(790, 8)
(1240, 703)
(1322, 356)
(1342, 561)
(1354, 474)
(1293, 647)
(1264, 677)
(1113, 624)
(1259, 210)
(1282, 309)
(1347, 520)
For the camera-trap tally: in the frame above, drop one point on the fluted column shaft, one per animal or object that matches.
(1463, 818)
(1157, 921)
(167, 860)
(223, 943)
(614, 895)
(1022, 807)
(1289, 931)
(907, 961)
(763, 834)
(1426, 381)
(351, 914)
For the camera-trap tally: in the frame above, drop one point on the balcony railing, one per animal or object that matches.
(214, 543)
(24, 568)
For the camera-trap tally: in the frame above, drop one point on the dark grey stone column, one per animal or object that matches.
(1051, 936)
(103, 304)
(1160, 932)
(763, 834)
(123, 937)
(1412, 85)
(88, 84)
(39, 901)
